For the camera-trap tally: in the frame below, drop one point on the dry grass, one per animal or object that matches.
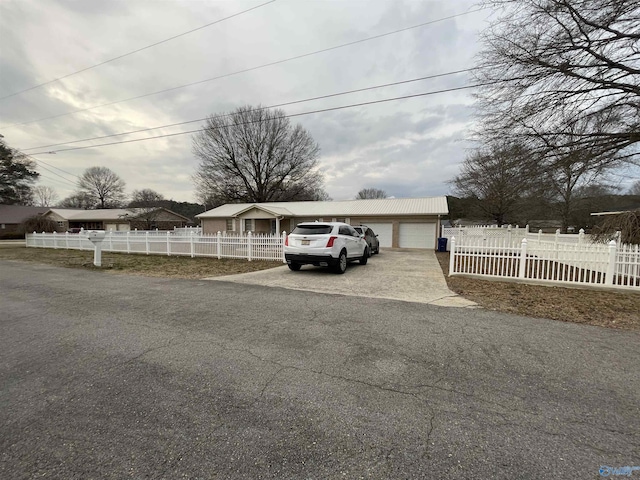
(593, 307)
(147, 265)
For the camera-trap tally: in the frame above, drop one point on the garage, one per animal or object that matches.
(417, 235)
(384, 232)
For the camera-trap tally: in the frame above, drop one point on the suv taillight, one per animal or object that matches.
(330, 242)
(286, 241)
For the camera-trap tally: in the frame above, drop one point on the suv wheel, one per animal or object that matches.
(341, 266)
(365, 256)
(294, 266)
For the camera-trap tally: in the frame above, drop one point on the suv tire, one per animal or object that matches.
(294, 266)
(341, 265)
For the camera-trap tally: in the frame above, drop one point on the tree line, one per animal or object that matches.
(559, 107)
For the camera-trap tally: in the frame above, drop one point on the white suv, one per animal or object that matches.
(325, 244)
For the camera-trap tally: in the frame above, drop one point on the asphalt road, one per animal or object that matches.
(108, 376)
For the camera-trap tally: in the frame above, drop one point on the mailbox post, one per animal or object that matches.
(96, 237)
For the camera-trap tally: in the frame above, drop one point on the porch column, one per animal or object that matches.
(278, 226)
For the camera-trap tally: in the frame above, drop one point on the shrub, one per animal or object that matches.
(38, 223)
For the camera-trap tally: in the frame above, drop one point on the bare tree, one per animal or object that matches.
(635, 188)
(44, 196)
(547, 64)
(146, 198)
(498, 176)
(78, 200)
(369, 193)
(146, 206)
(103, 186)
(255, 155)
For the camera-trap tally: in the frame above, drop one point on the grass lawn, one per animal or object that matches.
(593, 307)
(148, 265)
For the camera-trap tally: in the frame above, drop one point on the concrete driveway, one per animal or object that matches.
(410, 275)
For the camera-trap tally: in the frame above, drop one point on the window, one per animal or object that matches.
(2, 226)
(319, 229)
(60, 224)
(249, 225)
(230, 225)
(340, 220)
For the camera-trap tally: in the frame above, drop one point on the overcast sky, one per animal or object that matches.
(408, 147)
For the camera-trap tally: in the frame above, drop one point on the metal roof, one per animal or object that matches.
(104, 214)
(14, 214)
(347, 208)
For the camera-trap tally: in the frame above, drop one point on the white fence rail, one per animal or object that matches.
(249, 246)
(512, 234)
(609, 265)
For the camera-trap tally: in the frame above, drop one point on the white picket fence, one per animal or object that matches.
(248, 246)
(511, 234)
(554, 262)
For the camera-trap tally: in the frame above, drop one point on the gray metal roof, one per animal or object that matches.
(104, 214)
(348, 208)
(15, 214)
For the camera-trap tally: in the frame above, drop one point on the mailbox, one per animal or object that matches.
(96, 237)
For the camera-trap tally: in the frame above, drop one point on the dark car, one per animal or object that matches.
(370, 237)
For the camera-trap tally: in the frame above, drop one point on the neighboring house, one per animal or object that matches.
(116, 219)
(11, 216)
(398, 222)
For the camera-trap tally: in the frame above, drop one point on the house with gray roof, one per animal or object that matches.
(117, 219)
(398, 222)
(11, 216)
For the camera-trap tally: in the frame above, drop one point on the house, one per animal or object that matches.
(399, 222)
(11, 216)
(117, 219)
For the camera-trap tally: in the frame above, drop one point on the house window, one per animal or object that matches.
(2, 226)
(230, 225)
(60, 224)
(249, 225)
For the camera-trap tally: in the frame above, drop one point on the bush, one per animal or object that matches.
(627, 223)
(39, 224)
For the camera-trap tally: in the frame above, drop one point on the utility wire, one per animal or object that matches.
(264, 65)
(283, 116)
(135, 51)
(255, 109)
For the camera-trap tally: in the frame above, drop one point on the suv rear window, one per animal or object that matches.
(312, 229)
(358, 229)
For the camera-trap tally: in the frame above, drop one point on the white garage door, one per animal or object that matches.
(417, 235)
(384, 232)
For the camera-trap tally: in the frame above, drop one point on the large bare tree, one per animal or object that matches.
(146, 205)
(255, 154)
(44, 196)
(102, 185)
(498, 177)
(371, 193)
(550, 63)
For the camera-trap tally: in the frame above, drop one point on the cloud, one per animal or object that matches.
(409, 148)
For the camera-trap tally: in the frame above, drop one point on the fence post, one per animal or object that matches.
(128, 245)
(66, 239)
(249, 245)
(526, 228)
(611, 266)
(452, 253)
(284, 240)
(539, 235)
(55, 241)
(509, 235)
(193, 254)
(523, 259)
(146, 242)
(111, 240)
(168, 245)
(581, 236)
(219, 244)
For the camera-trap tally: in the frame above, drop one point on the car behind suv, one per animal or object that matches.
(325, 244)
(370, 237)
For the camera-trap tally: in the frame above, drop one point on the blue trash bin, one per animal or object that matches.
(442, 244)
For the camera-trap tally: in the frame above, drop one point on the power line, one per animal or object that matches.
(257, 109)
(264, 65)
(283, 116)
(136, 51)
(51, 171)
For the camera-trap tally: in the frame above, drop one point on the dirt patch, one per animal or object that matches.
(604, 309)
(147, 265)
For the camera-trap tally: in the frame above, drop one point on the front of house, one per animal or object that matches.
(398, 222)
(116, 219)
